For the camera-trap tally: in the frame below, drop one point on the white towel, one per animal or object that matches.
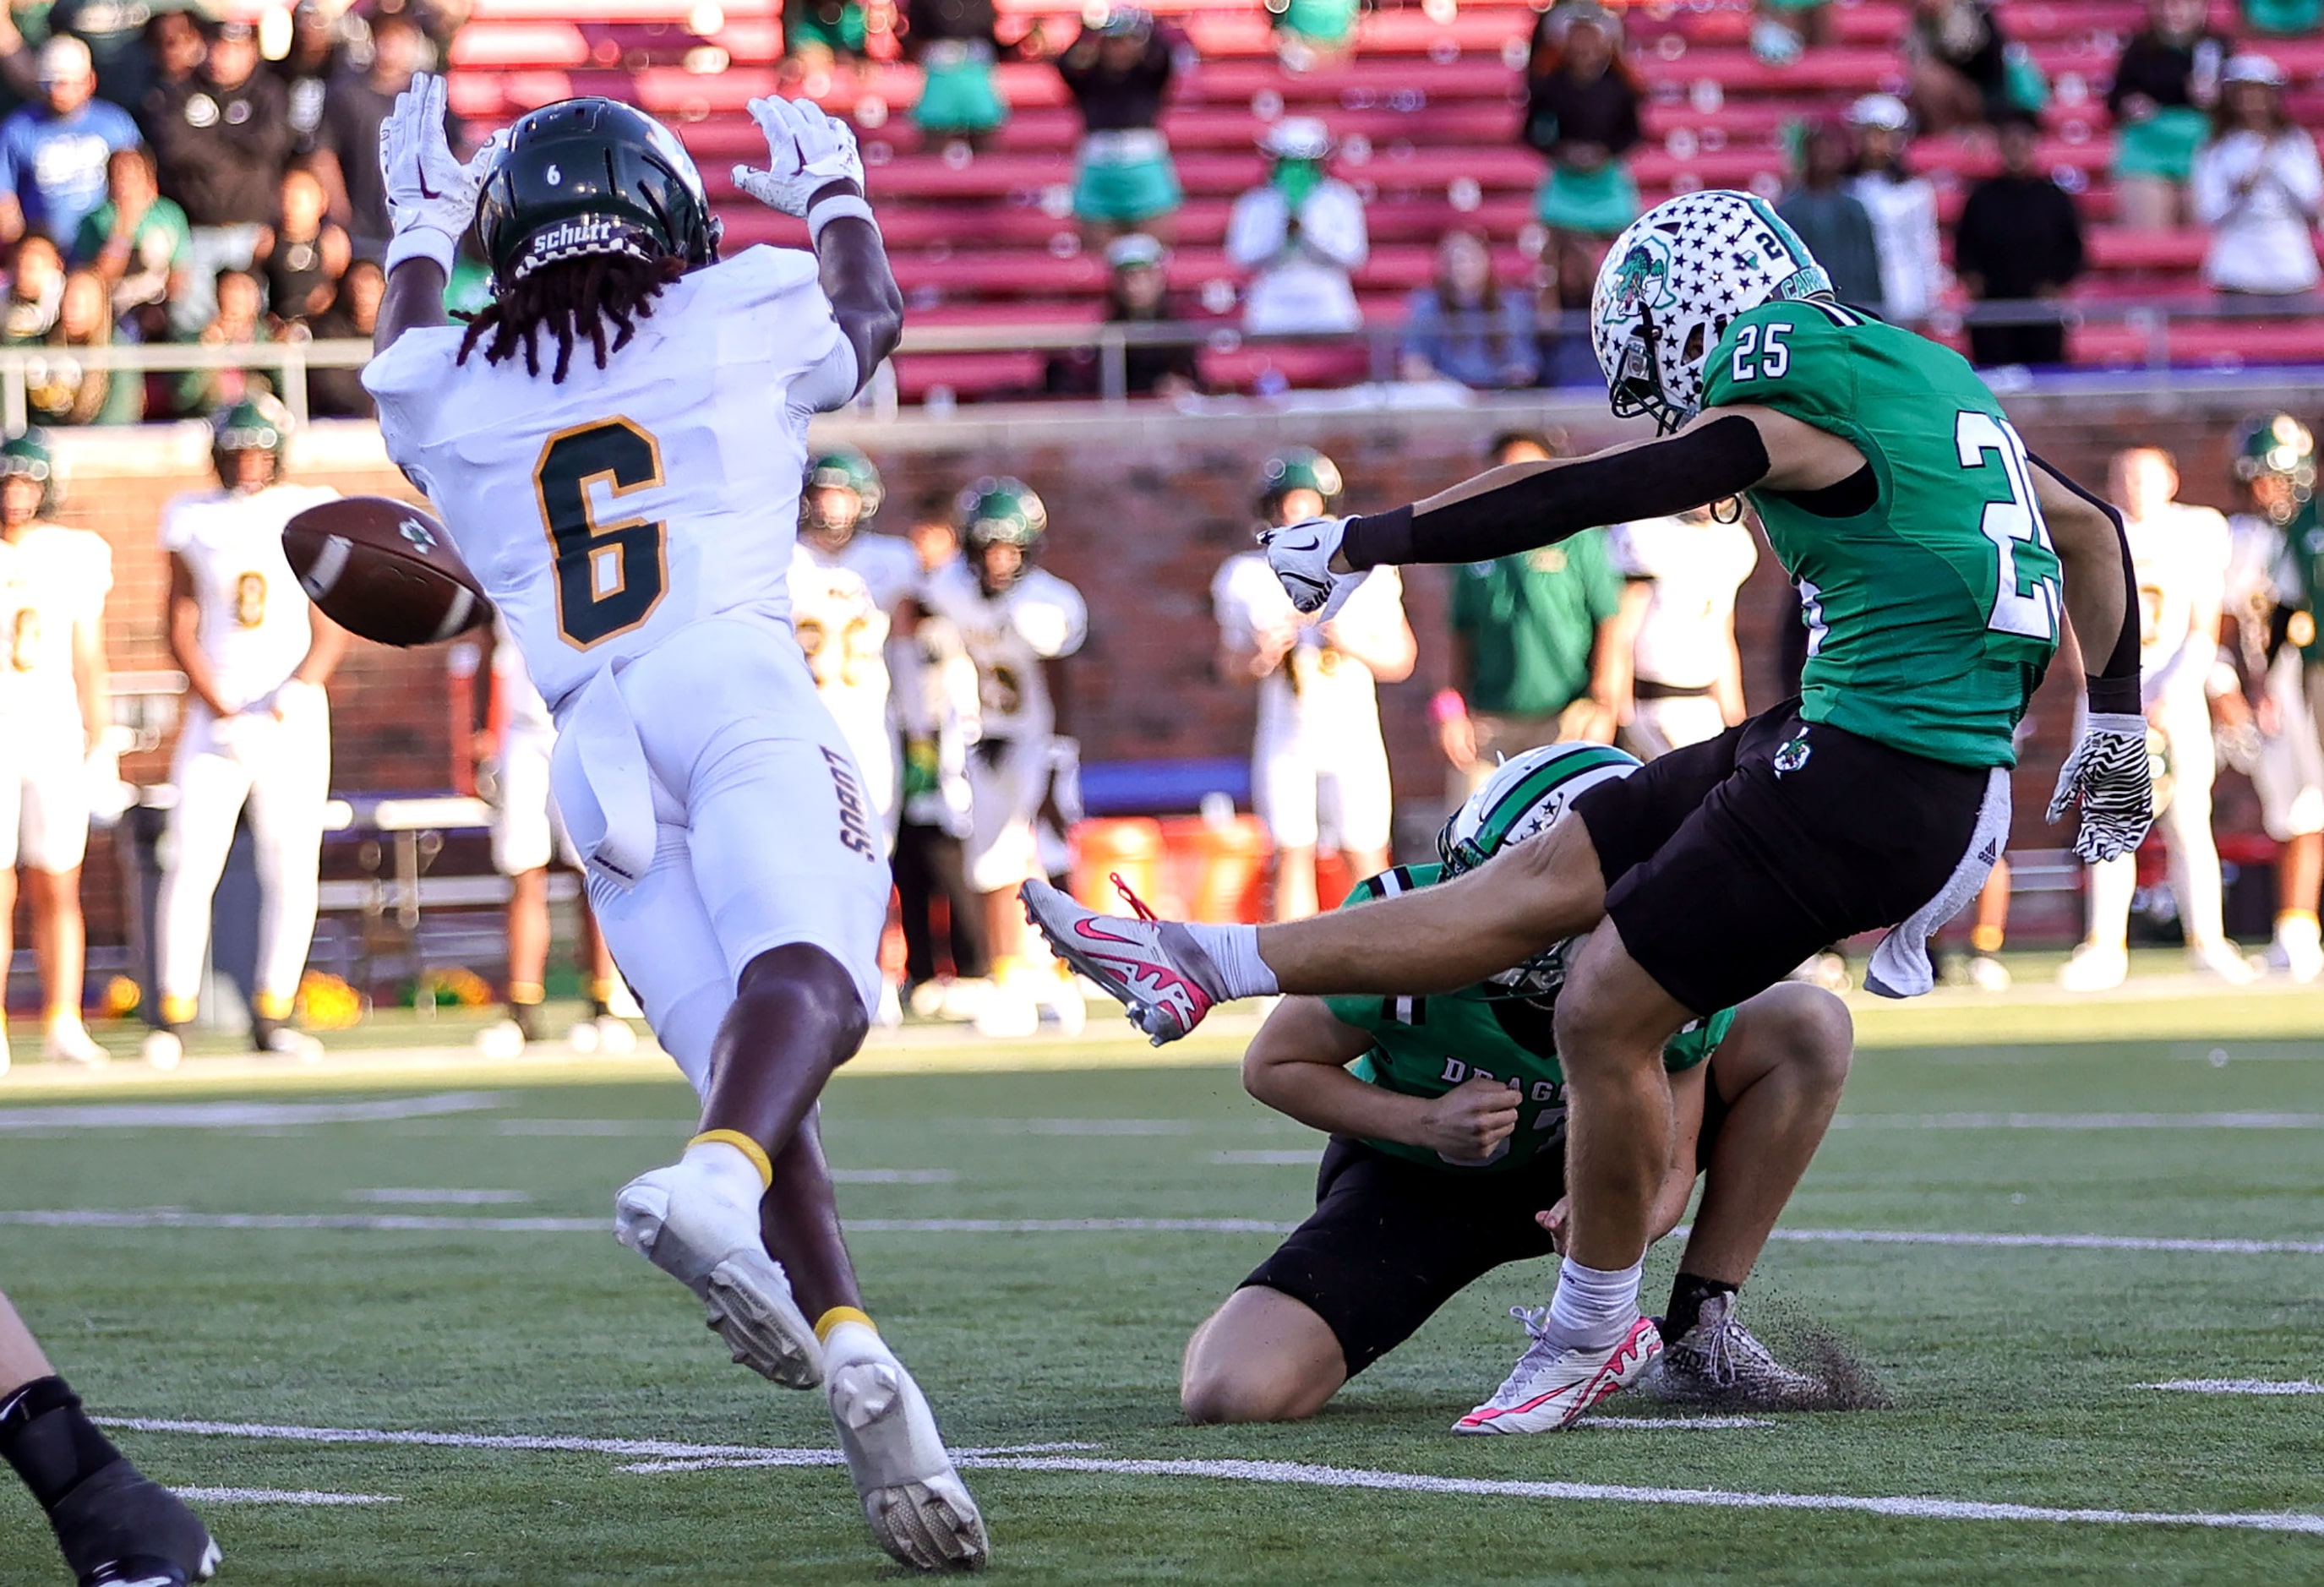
(605, 792)
(1900, 965)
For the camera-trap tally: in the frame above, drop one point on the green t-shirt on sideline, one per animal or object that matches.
(1531, 623)
(1425, 1046)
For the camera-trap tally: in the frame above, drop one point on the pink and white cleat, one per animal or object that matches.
(1553, 1386)
(1155, 967)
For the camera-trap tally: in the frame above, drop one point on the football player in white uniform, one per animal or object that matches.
(256, 655)
(616, 441)
(1319, 776)
(1014, 619)
(1678, 626)
(53, 582)
(2180, 556)
(527, 834)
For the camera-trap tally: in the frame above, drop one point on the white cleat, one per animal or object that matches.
(1009, 1014)
(1987, 974)
(916, 1504)
(1059, 999)
(604, 1034)
(1154, 968)
(2094, 968)
(962, 998)
(67, 1042)
(685, 1221)
(162, 1050)
(1551, 1387)
(286, 1043)
(2224, 960)
(2297, 950)
(501, 1040)
(891, 1012)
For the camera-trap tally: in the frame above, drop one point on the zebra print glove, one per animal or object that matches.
(2109, 773)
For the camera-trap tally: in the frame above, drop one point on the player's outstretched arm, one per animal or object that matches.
(1297, 1064)
(431, 201)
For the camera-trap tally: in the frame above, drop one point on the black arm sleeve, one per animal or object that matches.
(1706, 463)
(2113, 688)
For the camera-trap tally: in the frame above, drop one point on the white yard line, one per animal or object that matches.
(674, 1457)
(894, 1175)
(2311, 1247)
(669, 1129)
(302, 1496)
(2247, 1121)
(396, 1195)
(2236, 1385)
(244, 1115)
(388, 1222)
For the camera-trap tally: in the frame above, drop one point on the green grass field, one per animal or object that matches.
(2017, 1371)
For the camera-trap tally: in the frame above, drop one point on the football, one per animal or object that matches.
(385, 570)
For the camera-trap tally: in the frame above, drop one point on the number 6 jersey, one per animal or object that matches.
(1933, 612)
(603, 515)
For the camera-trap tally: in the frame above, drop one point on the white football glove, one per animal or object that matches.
(431, 197)
(2109, 773)
(1300, 555)
(806, 150)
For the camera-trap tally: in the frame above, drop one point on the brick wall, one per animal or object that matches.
(1143, 507)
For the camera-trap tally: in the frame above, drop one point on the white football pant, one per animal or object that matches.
(43, 794)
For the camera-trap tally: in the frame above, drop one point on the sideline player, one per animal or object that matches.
(1929, 549)
(53, 711)
(1014, 619)
(117, 1527)
(1319, 774)
(1447, 1156)
(843, 490)
(617, 441)
(256, 655)
(1677, 626)
(2180, 556)
(527, 834)
(2274, 568)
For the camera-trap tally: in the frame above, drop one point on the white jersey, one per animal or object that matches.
(1319, 692)
(51, 579)
(2260, 574)
(1687, 637)
(607, 513)
(1037, 619)
(844, 629)
(2180, 556)
(888, 565)
(255, 625)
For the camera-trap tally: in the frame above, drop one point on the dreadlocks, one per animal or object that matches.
(570, 298)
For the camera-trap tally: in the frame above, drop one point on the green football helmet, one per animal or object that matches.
(27, 456)
(592, 176)
(1298, 469)
(847, 469)
(1001, 511)
(2277, 446)
(254, 424)
(1522, 799)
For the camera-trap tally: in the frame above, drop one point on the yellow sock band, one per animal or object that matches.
(271, 1005)
(178, 1011)
(1986, 939)
(601, 988)
(833, 1318)
(744, 1144)
(2296, 917)
(524, 992)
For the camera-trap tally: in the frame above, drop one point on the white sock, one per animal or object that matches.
(736, 1174)
(1592, 1308)
(854, 1342)
(1234, 950)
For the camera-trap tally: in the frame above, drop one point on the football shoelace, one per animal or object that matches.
(1132, 899)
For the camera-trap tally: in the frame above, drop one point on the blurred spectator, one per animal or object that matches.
(1313, 33)
(1462, 326)
(2164, 86)
(1832, 220)
(175, 50)
(135, 239)
(36, 289)
(2258, 188)
(1301, 234)
(954, 42)
(2019, 238)
(353, 313)
(1117, 73)
(1533, 643)
(2282, 19)
(318, 41)
(235, 321)
(1902, 207)
(20, 61)
(114, 32)
(1959, 63)
(1137, 293)
(305, 253)
(62, 388)
(1781, 28)
(816, 34)
(346, 146)
(1582, 114)
(221, 139)
(52, 154)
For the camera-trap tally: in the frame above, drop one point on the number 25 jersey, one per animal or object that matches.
(1933, 615)
(603, 515)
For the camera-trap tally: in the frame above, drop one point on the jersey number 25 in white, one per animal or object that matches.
(2026, 600)
(1775, 358)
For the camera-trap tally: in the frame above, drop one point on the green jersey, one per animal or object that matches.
(1426, 1046)
(1932, 615)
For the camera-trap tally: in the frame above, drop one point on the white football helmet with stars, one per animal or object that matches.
(1674, 281)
